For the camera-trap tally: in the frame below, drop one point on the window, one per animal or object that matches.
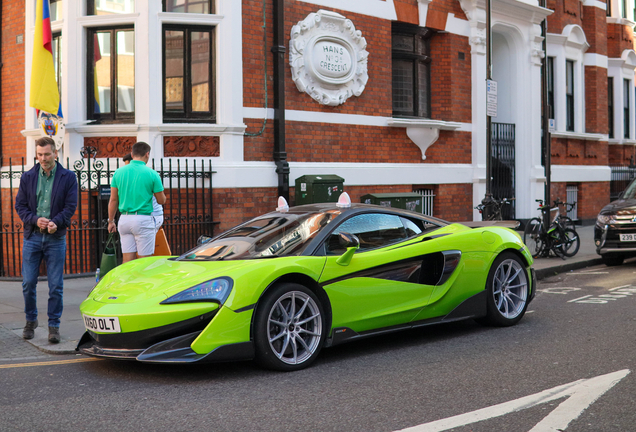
(550, 87)
(626, 117)
(110, 7)
(610, 105)
(111, 74)
(374, 230)
(55, 10)
(188, 74)
(188, 6)
(56, 46)
(569, 95)
(411, 70)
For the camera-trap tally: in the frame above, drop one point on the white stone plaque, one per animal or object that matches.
(328, 58)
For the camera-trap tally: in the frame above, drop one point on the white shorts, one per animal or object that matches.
(158, 222)
(137, 234)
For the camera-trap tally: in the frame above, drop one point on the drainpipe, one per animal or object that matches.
(280, 156)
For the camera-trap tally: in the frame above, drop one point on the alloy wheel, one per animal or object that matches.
(510, 288)
(294, 327)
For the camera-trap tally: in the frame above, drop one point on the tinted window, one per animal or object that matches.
(272, 235)
(373, 229)
(411, 228)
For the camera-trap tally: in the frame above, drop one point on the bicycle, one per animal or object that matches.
(558, 238)
(565, 220)
(497, 205)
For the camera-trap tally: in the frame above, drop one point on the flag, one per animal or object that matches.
(44, 92)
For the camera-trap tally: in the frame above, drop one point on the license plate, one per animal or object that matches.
(102, 324)
(628, 237)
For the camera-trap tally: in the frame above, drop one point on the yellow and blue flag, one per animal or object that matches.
(44, 92)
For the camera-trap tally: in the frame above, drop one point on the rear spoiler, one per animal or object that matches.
(512, 224)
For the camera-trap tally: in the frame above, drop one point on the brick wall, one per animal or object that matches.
(565, 12)
(578, 152)
(12, 121)
(596, 115)
(619, 38)
(595, 28)
(593, 197)
(621, 154)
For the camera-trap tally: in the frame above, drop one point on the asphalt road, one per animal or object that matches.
(579, 331)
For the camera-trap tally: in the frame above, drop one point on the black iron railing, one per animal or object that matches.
(187, 212)
(503, 166)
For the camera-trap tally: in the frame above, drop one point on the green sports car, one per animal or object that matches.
(282, 286)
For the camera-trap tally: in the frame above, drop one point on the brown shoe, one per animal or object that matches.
(54, 334)
(29, 329)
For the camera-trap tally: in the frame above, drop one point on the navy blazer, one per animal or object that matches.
(63, 199)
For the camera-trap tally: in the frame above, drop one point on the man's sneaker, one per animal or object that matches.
(29, 329)
(54, 334)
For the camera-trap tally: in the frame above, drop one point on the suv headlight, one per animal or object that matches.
(215, 290)
(606, 219)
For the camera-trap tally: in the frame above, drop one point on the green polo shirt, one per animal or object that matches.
(136, 183)
(43, 194)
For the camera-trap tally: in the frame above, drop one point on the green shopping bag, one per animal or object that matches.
(109, 256)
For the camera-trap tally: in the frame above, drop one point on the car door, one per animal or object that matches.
(380, 287)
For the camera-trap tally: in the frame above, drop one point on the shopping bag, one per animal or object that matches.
(109, 256)
(162, 248)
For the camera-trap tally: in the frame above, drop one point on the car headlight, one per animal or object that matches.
(215, 290)
(606, 219)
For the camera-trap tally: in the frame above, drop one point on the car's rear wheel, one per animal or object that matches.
(289, 329)
(508, 291)
(612, 260)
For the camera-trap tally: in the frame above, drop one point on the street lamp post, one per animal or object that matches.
(488, 201)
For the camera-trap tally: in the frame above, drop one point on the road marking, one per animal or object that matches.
(560, 290)
(615, 294)
(590, 272)
(581, 394)
(48, 363)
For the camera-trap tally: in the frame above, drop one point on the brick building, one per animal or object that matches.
(398, 106)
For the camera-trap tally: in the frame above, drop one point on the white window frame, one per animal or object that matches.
(571, 45)
(621, 69)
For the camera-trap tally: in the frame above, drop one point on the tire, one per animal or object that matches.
(289, 328)
(612, 260)
(571, 242)
(567, 222)
(508, 291)
(532, 237)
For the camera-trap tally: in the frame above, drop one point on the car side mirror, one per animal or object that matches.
(203, 239)
(352, 243)
(348, 240)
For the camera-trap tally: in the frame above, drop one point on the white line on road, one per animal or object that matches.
(582, 393)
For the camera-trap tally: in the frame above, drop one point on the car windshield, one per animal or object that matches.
(271, 235)
(630, 192)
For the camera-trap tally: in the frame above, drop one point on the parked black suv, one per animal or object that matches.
(615, 230)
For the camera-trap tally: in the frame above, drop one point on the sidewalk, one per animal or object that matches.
(76, 290)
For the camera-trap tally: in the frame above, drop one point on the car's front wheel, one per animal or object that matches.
(507, 291)
(289, 328)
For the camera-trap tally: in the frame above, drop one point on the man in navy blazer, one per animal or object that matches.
(46, 201)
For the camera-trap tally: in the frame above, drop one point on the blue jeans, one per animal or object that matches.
(53, 251)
